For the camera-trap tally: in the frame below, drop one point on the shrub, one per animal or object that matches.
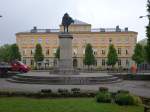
(64, 92)
(137, 100)
(46, 90)
(104, 97)
(123, 91)
(103, 89)
(127, 99)
(75, 90)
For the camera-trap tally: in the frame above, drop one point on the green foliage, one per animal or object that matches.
(103, 97)
(148, 34)
(147, 53)
(9, 53)
(89, 58)
(127, 99)
(5, 53)
(38, 56)
(46, 90)
(57, 54)
(138, 55)
(64, 92)
(75, 90)
(123, 91)
(103, 89)
(14, 52)
(112, 56)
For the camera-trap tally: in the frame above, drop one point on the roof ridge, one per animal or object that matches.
(76, 21)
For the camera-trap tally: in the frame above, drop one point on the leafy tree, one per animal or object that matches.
(38, 56)
(14, 52)
(89, 58)
(5, 53)
(57, 54)
(147, 48)
(138, 55)
(112, 56)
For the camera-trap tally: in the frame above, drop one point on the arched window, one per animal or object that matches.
(75, 63)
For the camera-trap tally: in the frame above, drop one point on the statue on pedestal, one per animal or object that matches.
(66, 21)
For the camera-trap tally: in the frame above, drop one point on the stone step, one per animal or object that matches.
(59, 83)
(64, 80)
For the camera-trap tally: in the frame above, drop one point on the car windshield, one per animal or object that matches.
(21, 62)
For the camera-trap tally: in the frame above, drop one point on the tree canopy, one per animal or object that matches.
(14, 52)
(5, 53)
(138, 55)
(112, 56)
(9, 53)
(38, 55)
(89, 58)
(57, 54)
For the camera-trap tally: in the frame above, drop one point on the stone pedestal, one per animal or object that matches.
(65, 44)
(66, 61)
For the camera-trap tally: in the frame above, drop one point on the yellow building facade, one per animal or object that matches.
(100, 39)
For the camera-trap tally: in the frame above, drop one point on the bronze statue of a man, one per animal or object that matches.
(66, 21)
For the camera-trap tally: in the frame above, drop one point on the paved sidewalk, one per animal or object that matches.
(141, 88)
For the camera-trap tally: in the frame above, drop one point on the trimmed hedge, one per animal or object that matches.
(122, 97)
(103, 97)
(123, 91)
(46, 90)
(103, 89)
(75, 90)
(127, 99)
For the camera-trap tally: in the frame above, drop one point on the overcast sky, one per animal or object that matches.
(22, 15)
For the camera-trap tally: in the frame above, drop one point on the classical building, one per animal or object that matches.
(100, 38)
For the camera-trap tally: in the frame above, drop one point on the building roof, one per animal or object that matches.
(78, 22)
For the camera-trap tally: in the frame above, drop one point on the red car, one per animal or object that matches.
(19, 66)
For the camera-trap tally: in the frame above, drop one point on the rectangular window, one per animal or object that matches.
(32, 62)
(32, 51)
(110, 40)
(103, 52)
(103, 62)
(83, 50)
(32, 40)
(119, 62)
(39, 40)
(127, 62)
(126, 51)
(54, 51)
(24, 52)
(95, 51)
(47, 41)
(47, 52)
(47, 62)
(24, 61)
(119, 50)
(74, 51)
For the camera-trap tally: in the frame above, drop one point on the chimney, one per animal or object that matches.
(126, 29)
(118, 29)
(34, 30)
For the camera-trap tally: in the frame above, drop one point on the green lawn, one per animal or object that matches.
(14, 104)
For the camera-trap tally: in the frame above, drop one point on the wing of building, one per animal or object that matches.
(100, 38)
